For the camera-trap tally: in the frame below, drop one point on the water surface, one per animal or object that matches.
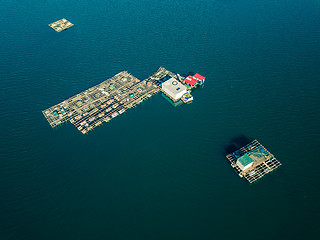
(159, 172)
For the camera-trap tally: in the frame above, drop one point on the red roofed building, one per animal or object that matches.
(199, 78)
(191, 81)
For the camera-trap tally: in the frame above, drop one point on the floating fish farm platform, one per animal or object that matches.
(105, 101)
(253, 161)
(61, 25)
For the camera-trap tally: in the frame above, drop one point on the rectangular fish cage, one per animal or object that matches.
(253, 161)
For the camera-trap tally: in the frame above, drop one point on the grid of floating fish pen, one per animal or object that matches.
(61, 25)
(102, 102)
(65, 110)
(263, 161)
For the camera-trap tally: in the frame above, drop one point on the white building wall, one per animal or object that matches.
(243, 167)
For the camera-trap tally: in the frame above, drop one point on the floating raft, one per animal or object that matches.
(253, 161)
(105, 101)
(61, 25)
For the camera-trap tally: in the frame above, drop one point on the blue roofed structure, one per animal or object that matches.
(244, 162)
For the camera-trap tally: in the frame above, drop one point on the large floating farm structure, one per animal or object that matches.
(114, 96)
(253, 161)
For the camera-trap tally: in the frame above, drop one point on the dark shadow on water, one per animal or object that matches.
(236, 143)
(230, 149)
(241, 140)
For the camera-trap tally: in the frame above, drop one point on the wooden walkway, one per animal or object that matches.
(161, 73)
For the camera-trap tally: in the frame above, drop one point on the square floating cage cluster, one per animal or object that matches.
(105, 101)
(61, 25)
(101, 103)
(253, 161)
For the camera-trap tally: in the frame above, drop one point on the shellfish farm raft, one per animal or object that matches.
(61, 25)
(253, 161)
(105, 101)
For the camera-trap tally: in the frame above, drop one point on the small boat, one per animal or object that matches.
(187, 97)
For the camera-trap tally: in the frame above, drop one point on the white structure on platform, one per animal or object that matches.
(173, 89)
(244, 162)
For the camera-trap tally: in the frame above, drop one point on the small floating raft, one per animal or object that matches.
(61, 25)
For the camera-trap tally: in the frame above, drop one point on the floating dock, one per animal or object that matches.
(61, 25)
(105, 101)
(253, 161)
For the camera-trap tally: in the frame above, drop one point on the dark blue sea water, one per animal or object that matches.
(160, 172)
